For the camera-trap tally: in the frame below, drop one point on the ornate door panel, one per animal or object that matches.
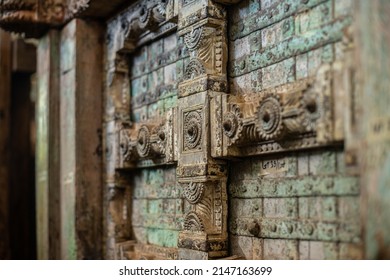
(224, 131)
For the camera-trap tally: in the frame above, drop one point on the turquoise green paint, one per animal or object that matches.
(262, 18)
(374, 47)
(68, 141)
(291, 187)
(166, 238)
(42, 146)
(296, 45)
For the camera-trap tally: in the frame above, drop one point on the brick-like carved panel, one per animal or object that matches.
(207, 99)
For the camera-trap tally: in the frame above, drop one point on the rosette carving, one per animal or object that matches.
(192, 130)
(143, 141)
(233, 124)
(269, 118)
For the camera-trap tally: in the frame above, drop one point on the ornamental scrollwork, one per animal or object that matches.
(194, 191)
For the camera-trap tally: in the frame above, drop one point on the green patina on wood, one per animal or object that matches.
(374, 46)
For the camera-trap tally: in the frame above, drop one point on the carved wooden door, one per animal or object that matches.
(225, 129)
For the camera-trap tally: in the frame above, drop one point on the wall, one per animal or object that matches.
(301, 205)
(374, 69)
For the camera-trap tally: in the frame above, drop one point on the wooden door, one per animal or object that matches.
(226, 127)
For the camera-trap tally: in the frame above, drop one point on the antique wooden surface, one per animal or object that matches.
(80, 155)
(284, 61)
(229, 128)
(374, 129)
(48, 150)
(5, 81)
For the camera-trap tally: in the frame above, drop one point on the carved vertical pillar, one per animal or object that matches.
(203, 179)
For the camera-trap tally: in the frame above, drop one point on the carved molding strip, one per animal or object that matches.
(295, 187)
(149, 141)
(126, 30)
(289, 117)
(297, 229)
(153, 252)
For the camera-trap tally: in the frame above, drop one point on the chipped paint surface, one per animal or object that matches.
(306, 202)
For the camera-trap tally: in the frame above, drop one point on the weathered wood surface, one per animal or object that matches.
(289, 87)
(272, 87)
(24, 57)
(81, 154)
(373, 42)
(48, 147)
(5, 87)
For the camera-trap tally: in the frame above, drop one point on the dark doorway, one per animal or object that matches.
(17, 186)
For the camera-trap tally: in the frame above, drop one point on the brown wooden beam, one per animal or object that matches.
(5, 85)
(81, 84)
(24, 56)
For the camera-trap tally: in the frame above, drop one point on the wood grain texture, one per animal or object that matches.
(5, 83)
(80, 122)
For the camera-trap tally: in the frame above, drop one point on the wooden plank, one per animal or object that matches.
(373, 57)
(47, 148)
(5, 81)
(81, 123)
(24, 57)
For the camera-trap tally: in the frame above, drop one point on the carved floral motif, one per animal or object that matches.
(269, 118)
(281, 118)
(193, 192)
(194, 38)
(143, 141)
(192, 130)
(192, 222)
